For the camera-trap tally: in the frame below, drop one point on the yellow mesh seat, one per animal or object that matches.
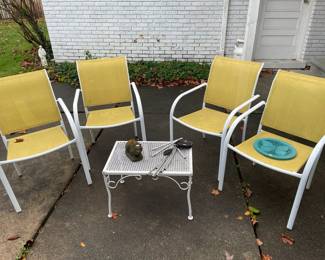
(207, 120)
(36, 142)
(111, 116)
(294, 165)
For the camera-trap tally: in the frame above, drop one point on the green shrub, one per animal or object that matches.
(144, 73)
(65, 72)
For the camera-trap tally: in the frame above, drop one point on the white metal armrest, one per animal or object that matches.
(184, 94)
(75, 107)
(69, 117)
(138, 99)
(236, 110)
(314, 155)
(240, 118)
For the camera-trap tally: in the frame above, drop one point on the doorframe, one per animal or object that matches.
(251, 28)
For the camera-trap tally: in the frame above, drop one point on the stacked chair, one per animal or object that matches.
(295, 109)
(31, 124)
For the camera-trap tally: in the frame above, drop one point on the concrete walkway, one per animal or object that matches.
(152, 221)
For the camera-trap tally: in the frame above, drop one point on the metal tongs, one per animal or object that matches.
(169, 150)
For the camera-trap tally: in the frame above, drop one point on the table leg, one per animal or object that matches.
(190, 216)
(121, 179)
(106, 181)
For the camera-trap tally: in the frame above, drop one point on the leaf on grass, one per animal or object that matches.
(228, 256)
(266, 257)
(19, 140)
(240, 218)
(13, 237)
(254, 211)
(82, 244)
(215, 192)
(259, 242)
(287, 239)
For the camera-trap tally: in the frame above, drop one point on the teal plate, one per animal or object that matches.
(275, 149)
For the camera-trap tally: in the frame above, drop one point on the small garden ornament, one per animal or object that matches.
(42, 56)
(133, 150)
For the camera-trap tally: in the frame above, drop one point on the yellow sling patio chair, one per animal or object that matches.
(231, 86)
(295, 106)
(29, 110)
(105, 82)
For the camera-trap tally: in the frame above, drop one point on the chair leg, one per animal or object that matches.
(296, 203)
(171, 129)
(222, 167)
(9, 190)
(70, 152)
(92, 136)
(143, 129)
(135, 129)
(84, 161)
(19, 173)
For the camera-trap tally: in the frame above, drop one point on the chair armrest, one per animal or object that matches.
(172, 109)
(236, 110)
(137, 98)
(240, 118)
(69, 117)
(314, 155)
(75, 107)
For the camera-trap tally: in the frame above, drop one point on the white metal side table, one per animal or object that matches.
(119, 164)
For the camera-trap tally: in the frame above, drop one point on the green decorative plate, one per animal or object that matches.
(275, 148)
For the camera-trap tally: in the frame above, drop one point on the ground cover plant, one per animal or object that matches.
(144, 73)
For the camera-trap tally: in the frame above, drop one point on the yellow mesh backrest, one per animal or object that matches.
(231, 82)
(296, 105)
(104, 81)
(26, 101)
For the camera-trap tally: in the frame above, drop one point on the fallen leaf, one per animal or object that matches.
(253, 210)
(82, 244)
(228, 256)
(114, 215)
(266, 257)
(259, 242)
(248, 192)
(254, 221)
(13, 237)
(247, 213)
(19, 140)
(215, 192)
(240, 218)
(287, 239)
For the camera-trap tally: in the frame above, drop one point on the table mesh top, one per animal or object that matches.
(119, 163)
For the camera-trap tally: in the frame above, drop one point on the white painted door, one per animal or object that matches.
(278, 29)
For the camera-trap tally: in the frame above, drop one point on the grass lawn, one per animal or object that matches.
(14, 49)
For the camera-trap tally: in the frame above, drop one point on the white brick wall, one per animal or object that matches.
(141, 29)
(237, 17)
(315, 38)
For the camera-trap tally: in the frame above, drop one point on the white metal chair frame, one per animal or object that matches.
(227, 122)
(77, 140)
(305, 176)
(139, 106)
